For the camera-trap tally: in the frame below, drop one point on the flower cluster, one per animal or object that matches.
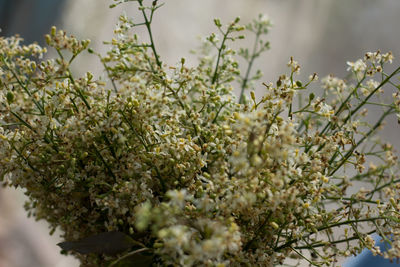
(196, 177)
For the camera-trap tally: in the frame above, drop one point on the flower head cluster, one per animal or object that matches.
(168, 156)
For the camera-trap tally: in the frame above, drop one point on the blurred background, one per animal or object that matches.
(321, 34)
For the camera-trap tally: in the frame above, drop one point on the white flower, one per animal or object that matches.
(178, 197)
(358, 66)
(372, 84)
(333, 83)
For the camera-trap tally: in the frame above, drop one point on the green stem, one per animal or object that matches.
(333, 242)
(350, 152)
(78, 90)
(22, 121)
(127, 255)
(108, 168)
(246, 77)
(162, 182)
(352, 199)
(109, 74)
(221, 48)
(41, 109)
(147, 22)
(344, 103)
(302, 256)
(383, 186)
(290, 242)
(370, 95)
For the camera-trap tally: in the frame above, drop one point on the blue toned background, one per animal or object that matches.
(29, 18)
(366, 259)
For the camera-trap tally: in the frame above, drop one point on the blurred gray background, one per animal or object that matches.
(321, 34)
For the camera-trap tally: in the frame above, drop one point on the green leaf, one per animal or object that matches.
(10, 97)
(104, 243)
(217, 23)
